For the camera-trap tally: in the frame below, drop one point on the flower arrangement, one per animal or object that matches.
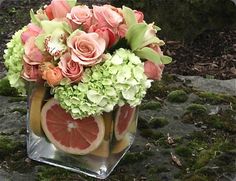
(92, 58)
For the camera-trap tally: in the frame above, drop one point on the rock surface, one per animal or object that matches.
(188, 139)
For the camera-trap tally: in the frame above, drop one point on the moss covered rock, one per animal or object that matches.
(177, 96)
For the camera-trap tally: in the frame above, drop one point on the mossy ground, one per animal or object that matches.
(210, 143)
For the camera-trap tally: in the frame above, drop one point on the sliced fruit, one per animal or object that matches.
(108, 120)
(103, 150)
(37, 98)
(122, 144)
(75, 136)
(123, 120)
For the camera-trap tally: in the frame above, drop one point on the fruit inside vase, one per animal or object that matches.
(93, 145)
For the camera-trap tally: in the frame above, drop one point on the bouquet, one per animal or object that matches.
(93, 60)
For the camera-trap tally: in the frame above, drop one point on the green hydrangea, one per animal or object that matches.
(13, 62)
(119, 80)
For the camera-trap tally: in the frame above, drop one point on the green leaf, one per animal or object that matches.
(157, 28)
(50, 26)
(149, 54)
(154, 40)
(34, 19)
(67, 28)
(129, 16)
(39, 42)
(72, 3)
(165, 59)
(135, 35)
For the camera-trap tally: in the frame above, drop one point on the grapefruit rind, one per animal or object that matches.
(121, 144)
(103, 149)
(37, 99)
(118, 135)
(94, 145)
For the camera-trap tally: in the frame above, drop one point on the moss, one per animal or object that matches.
(22, 111)
(17, 99)
(177, 96)
(158, 122)
(7, 146)
(142, 123)
(47, 173)
(196, 178)
(153, 105)
(158, 169)
(215, 121)
(149, 133)
(183, 151)
(6, 89)
(216, 98)
(204, 157)
(132, 157)
(197, 109)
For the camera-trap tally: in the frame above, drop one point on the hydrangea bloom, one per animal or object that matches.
(13, 61)
(119, 80)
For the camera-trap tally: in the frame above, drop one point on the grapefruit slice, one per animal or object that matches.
(123, 120)
(75, 136)
(121, 144)
(37, 99)
(104, 149)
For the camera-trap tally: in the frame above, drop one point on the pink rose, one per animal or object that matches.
(81, 15)
(107, 16)
(139, 16)
(152, 70)
(32, 31)
(70, 69)
(86, 48)
(33, 55)
(57, 9)
(108, 35)
(30, 72)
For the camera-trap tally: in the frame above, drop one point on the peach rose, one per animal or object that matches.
(107, 16)
(32, 31)
(30, 72)
(152, 70)
(57, 9)
(86, 48)
(81, 15)
(33, 55)
(70, 69)
(50, 73)
(122, 30)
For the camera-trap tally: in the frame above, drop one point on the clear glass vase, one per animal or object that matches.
(118, 136)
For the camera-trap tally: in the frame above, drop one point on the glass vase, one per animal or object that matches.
(119, 134)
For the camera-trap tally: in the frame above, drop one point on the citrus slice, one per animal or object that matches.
(121, 144)
(37, 98)
(104, 149)
(123, 120)
(75, 136)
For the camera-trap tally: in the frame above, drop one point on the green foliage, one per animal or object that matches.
(177, 96)
(6, 89)
(152, 105)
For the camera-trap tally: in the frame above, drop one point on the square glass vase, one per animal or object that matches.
(46, 132)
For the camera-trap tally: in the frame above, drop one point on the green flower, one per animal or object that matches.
(13, 62)
(119, 80)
